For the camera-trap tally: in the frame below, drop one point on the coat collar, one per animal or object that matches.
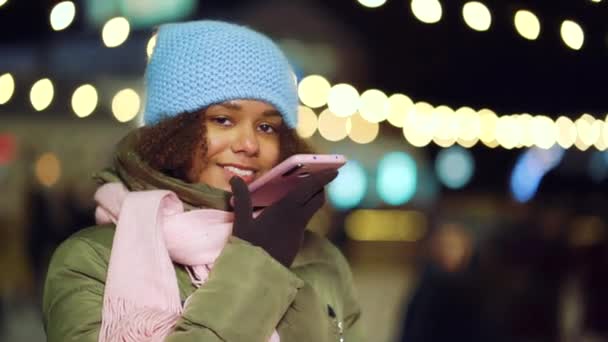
(132, 171)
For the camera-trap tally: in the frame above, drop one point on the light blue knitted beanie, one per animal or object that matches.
(199, 63)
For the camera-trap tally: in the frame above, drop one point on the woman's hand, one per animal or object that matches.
(280, 228)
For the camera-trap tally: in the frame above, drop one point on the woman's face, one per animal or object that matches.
(242, 140)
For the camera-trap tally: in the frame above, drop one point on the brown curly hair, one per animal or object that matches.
(169, 146)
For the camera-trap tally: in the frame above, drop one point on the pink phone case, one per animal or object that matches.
(277, 182)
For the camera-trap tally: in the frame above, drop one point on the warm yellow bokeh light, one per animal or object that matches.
(469, 126)
(572, 34)
(115, 31)
(487, 122)
(604, 136)
(151, 45)
(372, 3)
(477, 16)
(3, 2)
(331, 126)
(314, 90)
(41, 94)
(343, 100)
(385, 225)
(527, 24)
(47, 169)
(566, 132)
(544, 131)
(307, 122)
(125, 105)
(62, 15)
(446, 129)
(419, 126)
(600, 143)
(398, 106)
(584, 132)
(508, 134)
(427, 11)
(84, 100)
(587, 130)
(7, 88)
(524, 121)
(361, 130)
(492, 144)
(373, 105)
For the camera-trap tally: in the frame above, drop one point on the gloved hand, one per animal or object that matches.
(279, 230)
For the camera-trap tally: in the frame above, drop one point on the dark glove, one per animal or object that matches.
(279, 230)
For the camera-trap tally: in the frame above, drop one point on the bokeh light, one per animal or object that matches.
(529, 170)
(469, 126)
(566, 132)
(7, 88)
(373, 105)
(62, 15)
(307, 122)
(572, 34)
(398, 107)
(360, 130)
(84, 100)
(477, 16)
(446, 131)
(372, 3)
(313, 91)
(41, 94)
(487, 124)
(385, 225)
(397, 178)
(47, 169)
(598, 166)
(427, 11)
(527, 24)
(115, 32)
(3, 2)
(343, 100)
(508, 134)
(544, 131)
(419, 126)
(349, 188)
(125, 105)
(151, 45)
(331, 126)
(454, 167)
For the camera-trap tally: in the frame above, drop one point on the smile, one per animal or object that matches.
(239, 172)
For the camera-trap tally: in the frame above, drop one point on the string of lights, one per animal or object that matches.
(344, 112)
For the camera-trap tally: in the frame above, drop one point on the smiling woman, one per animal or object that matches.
(171, 259)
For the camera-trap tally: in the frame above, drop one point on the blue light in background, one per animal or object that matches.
(530, 169)
(348, 189)
(397, 178)
(598, 166)
(454, 167)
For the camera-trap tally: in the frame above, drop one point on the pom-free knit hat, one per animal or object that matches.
(199, 63)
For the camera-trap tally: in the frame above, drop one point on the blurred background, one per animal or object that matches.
(472, 207)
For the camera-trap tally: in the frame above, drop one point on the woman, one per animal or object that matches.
(170, 260)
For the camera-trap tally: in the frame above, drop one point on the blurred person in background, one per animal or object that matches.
(506, 287)
(170, 259)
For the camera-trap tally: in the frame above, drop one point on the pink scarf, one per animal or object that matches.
(152, 230)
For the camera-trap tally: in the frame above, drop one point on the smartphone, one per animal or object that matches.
(277, 182)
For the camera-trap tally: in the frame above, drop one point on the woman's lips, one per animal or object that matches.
(246, 178)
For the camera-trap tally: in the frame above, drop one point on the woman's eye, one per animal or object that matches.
(222, 121)
(266, 128)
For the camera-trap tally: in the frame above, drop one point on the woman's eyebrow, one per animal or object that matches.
(230, 105)
(271, 112)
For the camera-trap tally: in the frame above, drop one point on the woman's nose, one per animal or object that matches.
(246, 141)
